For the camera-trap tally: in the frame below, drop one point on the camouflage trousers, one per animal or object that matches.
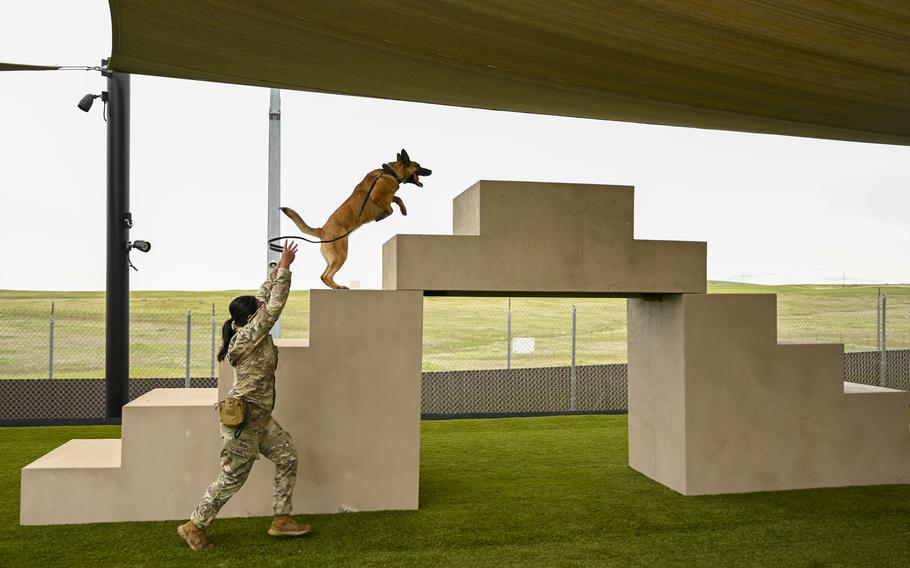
(262, 435)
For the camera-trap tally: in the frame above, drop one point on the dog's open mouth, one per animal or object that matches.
(415, 179)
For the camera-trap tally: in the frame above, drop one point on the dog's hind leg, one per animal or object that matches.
(335, 255)
(327, 255)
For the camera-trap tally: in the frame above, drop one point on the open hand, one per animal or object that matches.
(288, 253)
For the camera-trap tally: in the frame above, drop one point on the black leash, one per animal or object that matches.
(386, 169)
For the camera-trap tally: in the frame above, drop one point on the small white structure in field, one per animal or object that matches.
(523, 345)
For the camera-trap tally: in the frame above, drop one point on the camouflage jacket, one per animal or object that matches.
(252, 352)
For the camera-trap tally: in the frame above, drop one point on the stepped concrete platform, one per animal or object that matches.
(542, 239)
(350, 399)
(168, 439)
(717, 405)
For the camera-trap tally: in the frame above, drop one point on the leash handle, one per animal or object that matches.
(273, 243)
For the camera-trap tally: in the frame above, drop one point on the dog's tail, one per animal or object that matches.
(301, 224)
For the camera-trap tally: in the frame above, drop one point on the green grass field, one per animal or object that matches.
(549, 492)
(459, 333)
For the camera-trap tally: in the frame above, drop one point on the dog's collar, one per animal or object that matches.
(388, 169)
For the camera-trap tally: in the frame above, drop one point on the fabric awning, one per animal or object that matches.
(21, 67)
(816, 68)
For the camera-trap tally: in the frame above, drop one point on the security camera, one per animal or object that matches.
(86, 103)
(141, 246)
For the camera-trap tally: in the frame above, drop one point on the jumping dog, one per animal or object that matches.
(371, 201)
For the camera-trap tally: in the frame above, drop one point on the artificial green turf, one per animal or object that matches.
(509, 492)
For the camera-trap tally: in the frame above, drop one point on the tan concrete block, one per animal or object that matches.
(738, 413)
(350, 398)
(351, 401)
(167, 456)
(73, 483)
(656, 390)
(542, 239)
(170, 451)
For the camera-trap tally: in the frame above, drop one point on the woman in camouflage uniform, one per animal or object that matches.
(250, 350)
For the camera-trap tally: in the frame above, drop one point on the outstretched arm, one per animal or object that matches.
(266, 289)
(274, 294)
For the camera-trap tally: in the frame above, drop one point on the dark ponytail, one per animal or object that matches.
(241, 308)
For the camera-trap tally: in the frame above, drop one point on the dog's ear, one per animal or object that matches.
(403, 157)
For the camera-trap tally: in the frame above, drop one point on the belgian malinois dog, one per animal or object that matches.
(371, 201)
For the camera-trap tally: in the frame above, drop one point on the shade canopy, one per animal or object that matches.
(22, 67)
(816, 68)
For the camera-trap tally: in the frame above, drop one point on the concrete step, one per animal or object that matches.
(819, 367)
(876, 431)
(71, 484)
(167, 425)
(859, 388)
(80, 454)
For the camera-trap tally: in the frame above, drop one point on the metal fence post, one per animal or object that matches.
(883, 349)
(189, 324)
(573, 376)
(213, 341)
(509, 338)
(878, 319)
(50, 362)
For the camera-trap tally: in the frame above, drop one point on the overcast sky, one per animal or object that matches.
(772, 208)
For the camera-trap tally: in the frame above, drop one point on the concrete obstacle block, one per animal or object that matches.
(350, 399)
(528, 238)
(717, 405)
(156, 471)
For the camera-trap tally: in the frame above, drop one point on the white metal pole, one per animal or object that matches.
(274, 197)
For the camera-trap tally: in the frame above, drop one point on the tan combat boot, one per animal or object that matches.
(284, 525)
(194, 536)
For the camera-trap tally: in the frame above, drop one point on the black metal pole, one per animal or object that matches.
(119, 221)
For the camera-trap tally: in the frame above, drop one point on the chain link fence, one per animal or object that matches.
(67, 342)
(872, 323)
(481, 356)
(523, 356)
